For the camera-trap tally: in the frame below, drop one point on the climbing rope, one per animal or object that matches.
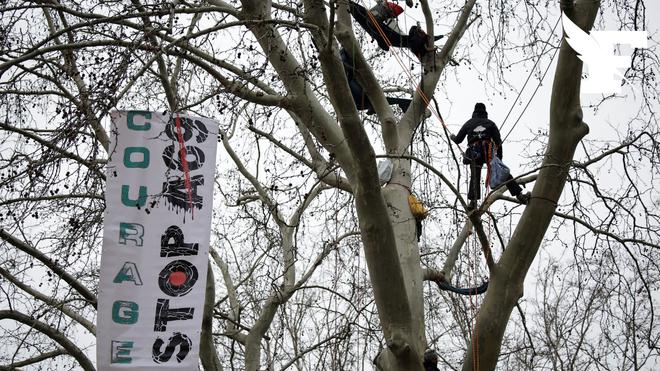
(532, 97)
(474, 303)
(529, 76)
(472, 243)
(418, 88)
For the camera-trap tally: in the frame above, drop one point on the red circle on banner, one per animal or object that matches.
(178, 278)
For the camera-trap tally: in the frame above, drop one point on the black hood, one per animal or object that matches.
(480, 111)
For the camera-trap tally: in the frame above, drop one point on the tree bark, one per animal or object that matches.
(405, 232)
(207, 351)
(566, 131)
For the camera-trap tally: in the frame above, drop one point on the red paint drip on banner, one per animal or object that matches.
(184, 161)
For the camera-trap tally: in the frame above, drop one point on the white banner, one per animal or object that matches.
(155, 241)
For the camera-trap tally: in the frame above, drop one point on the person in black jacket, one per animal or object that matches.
(430, 360)
(380, 23)
(357, 92)
(481, 134)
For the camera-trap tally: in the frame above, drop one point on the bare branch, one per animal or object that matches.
(73, 282)
(31, 361)
(52, 333)
(55, 304)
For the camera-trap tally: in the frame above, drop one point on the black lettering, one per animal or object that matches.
(177, 278)
(164, 314)
(171, 244)
(177, 340)
(188, 128)
(176, 194)
(172, 163)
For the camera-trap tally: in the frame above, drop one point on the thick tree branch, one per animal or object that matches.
(55, 304)
(475, 219)
(52, 333)
(305, 105)
(234, 305)
(455, 250)
(433, 66)
(207, 352)
(366, 78)
(48, 262)
(566, 130)
(34, 360)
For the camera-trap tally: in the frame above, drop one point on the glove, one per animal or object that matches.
(453, 138)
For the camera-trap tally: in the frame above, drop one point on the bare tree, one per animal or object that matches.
(288, 284)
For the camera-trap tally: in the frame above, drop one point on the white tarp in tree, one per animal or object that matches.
(156, 241)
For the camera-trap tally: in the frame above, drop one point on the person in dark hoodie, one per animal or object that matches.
(380, 23)
(430, 360)
(481, 134)
(357, 92)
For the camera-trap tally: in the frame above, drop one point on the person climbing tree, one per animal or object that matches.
(380, 23)
(430, 360)
(359, 97)
(385, 11)
(482, 134)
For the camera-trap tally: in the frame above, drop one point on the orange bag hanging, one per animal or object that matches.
(417, 207)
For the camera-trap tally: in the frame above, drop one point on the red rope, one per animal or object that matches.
(473, 273)
(184, 161)
(475, 342)
(489, 157)
(474, 305)
(475, 310)
(403, 67)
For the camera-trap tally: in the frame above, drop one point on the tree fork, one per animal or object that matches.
(566, 131)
